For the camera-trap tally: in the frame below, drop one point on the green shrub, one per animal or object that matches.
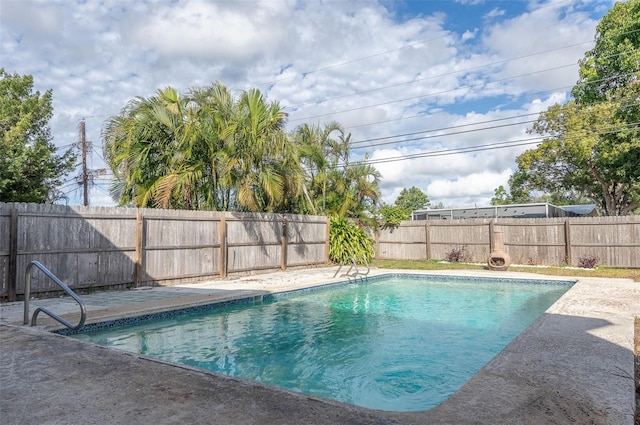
(346, 240)
(393, 215)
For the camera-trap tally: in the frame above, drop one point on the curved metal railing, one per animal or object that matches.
(354, 266)
(65, 288)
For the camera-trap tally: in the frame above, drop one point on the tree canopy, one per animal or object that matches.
(591, 144)
(500, 196)
(408, 201)
(412, 199)
(30, 169)
(209, 150)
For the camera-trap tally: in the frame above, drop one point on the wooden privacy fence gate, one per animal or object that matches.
(614, 241)
(90, 247)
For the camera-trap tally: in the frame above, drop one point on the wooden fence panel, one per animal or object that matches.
(471, 235)
(615, 241)
(404, 242)
(305, 240)
(535, 242)
(178, 247)
(254, 242)
(74, 243)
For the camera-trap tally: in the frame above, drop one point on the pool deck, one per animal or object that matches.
(572, 365)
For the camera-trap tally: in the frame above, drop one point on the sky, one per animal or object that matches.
(435, 94)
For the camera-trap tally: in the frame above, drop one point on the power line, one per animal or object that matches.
(477, 148)
(468, 69)
(440, 75)
(305, 73)
(460, 126)
(450, 134)
(443, 111)
(440, 112)
(452, 127)
(482, 83)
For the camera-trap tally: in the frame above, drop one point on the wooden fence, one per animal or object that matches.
(91, 247)
(615, 241)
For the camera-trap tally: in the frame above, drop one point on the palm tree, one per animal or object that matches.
(259, 148)
(138, 145)
(208, 150)
(320, 153)
(364, 181)
(205, 145)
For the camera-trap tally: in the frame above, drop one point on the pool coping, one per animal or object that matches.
(572, 364)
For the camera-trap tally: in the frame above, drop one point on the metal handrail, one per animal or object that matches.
(65, 288)
(354, 264)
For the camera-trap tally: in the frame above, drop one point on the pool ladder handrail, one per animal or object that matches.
(354, 265)
(65, 288)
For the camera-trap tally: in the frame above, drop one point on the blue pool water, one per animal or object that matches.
(402, 343)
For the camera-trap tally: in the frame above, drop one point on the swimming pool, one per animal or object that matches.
(396, 342)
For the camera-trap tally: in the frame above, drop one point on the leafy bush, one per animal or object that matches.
(346, 240)
(588, 261)
(456, 255)
(393, 215)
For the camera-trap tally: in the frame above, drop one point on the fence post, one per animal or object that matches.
(326, 241)
(140, 235)
(567, 242)
(223, 247)
(13, 255)
(283, 248)
(491, 230)
(427, 233)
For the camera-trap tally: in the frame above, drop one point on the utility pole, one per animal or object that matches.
(85, 174)
(85, 177)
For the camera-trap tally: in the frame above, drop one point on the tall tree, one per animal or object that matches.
(591, 144)
(30, 169)
(500, 196)
(260, 147)
(408, 201)
(204, 150)
(613, 63)
(321, 151)
(140, 145)
(209, 150)
(412, 199)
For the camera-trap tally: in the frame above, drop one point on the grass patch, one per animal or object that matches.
(606, 272)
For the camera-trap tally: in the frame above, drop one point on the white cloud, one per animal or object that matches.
(353, 62)
(480, 185)
(495, 13)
